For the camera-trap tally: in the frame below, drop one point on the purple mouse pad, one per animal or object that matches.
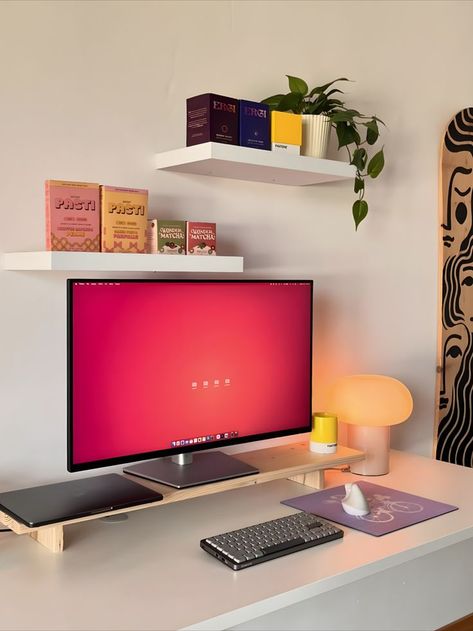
(390, 510)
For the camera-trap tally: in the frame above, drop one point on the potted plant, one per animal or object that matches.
(356, 132)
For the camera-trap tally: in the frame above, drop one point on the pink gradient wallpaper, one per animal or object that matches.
(159, 362)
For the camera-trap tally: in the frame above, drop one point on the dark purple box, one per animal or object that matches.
(212, 118)
(254, 125)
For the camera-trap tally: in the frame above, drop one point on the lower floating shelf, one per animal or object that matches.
(111, 262)
(293, 461)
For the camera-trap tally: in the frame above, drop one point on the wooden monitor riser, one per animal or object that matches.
(293, 461)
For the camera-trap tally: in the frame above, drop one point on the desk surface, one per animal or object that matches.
(150, 573)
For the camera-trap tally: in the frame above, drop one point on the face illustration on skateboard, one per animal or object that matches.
(455, 361)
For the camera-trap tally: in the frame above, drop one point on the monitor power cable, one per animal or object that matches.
(344, 469)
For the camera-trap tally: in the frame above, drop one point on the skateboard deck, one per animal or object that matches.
(454, 422)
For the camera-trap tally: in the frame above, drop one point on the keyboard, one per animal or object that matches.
(270, 539)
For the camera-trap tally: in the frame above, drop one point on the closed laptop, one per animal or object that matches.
(52, 503)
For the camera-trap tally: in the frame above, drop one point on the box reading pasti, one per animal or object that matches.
(124, 219)
(72, 216)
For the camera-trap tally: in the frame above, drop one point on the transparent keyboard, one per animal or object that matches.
(270, 539)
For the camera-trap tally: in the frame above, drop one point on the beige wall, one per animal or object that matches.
(91, 90)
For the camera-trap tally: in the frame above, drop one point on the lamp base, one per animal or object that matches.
(374, 441)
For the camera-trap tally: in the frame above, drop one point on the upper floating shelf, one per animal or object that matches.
(242, 163)
(109, 262)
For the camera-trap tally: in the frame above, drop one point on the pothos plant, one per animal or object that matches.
(355, 131)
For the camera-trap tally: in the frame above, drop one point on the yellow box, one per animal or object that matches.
(286, 128)
(124, 219)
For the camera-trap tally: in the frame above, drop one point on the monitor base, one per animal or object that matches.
(204, 468)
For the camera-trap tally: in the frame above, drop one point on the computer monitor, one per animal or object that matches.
(168, 369)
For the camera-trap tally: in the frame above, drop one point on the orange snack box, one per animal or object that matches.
(124, 219)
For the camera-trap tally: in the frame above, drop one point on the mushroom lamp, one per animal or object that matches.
(370, 404)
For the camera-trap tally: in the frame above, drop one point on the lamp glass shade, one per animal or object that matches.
(371, 400)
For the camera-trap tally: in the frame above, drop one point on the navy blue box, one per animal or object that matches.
(255, 125)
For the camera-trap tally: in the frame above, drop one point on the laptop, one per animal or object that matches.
(52, 503)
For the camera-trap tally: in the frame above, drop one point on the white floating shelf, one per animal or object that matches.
(242, 163)
(109, 262)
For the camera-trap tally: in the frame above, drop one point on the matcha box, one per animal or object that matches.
(171, 237)
(201, 238)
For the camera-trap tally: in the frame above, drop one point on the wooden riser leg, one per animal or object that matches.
(314, 479)
(51, 538)
(6, 520)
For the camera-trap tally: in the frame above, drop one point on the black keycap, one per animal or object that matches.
(282, 546)
(314, 524)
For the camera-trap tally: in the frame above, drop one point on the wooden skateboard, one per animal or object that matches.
(454, 392)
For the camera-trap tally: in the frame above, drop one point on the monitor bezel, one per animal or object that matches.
(161, 453)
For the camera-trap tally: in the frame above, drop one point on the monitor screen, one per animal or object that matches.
(161, 367)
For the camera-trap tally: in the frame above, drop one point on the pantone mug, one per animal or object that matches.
(323, 438)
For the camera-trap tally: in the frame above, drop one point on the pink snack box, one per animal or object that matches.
(72, 216)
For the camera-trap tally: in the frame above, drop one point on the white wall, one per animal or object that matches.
(91, 90)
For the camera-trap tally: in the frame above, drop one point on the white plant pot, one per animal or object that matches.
(315, 135)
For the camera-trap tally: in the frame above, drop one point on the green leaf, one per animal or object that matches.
(347, 135)
(359, 159)
(333, 102)
(379, 120)
(290, 102)
(273, 101)
(354, 112)
(359, 184)
(297, 85)
(376, 164)
(372, 132)
(319, 106)
(322, 88)
(340, 117)
(341, 129)
(345, 115)
(334, 92)
(360, 210)
(356, 135)
(314, 108)
(353, 135)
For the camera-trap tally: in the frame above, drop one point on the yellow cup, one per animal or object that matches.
(323, 438)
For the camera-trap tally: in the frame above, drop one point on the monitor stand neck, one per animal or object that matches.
(182, 459)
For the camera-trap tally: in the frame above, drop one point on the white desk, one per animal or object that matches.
(149, 572)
